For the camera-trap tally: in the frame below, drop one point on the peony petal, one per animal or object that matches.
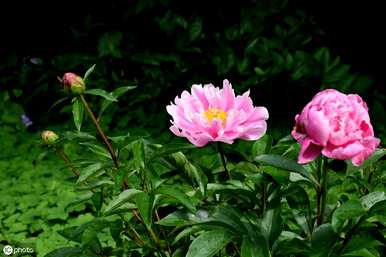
(370, 145)
(198, 92)
(228, 96)
(308, 151)
(344, 152)
(318, 127)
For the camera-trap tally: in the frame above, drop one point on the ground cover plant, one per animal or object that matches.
(226, 136)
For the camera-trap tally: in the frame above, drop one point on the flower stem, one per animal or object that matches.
(101, 133)
(322, 191)
(220, 150)
(67, 161)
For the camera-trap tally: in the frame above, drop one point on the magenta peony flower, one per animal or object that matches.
(336, 125)
(212, 114)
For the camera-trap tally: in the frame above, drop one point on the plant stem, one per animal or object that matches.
(322, 191)
(220, 150)
(101, 133)
(163, 233)
(350, 233)
(263, 199)
(67, 161)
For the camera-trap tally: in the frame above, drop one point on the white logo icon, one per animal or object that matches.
(7, 250)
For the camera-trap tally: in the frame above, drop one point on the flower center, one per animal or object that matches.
(213, 113)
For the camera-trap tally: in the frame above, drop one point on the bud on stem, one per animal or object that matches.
(73, 83)
(49, 137)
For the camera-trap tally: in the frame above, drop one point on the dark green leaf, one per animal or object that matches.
(65, 252)
(209, 243)
(78, 112)
(88, 72)
(89, 171)
(285, 164)
(323, 238)
(179, 195)
(349, 210)
(102, 93)
(145, 206)
(368, 201)
(195, 29)
(97, 149)
(121, 199)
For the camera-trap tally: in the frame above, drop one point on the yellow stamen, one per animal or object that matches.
(213, 113)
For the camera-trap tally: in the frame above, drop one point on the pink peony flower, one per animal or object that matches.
(212, 114)
(336, 125)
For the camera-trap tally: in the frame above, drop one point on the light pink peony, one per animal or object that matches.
(212, 114)
(336, 125)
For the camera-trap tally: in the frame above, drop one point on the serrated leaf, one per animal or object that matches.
(78, 113)
(209, 243)
(102, 93)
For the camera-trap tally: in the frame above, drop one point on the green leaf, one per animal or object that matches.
(251, 249)
(61, 100)
(298, 201)
(262, 146)
(323, 238)
(170, 149)
(191, 170)
(349, 210)
(102, 93)
(209, 243)
(195, 29)
(368, 201)
(78, 135)
(361, 253)
(138, 149)
(78, 112)
(285, 164)
(65, 252)
(97, 149)
(115, 94)
(121, 199)
(88, 72)
(73, 233)
(178, 194)
(272, 224)
(89, 171)
(145, 206)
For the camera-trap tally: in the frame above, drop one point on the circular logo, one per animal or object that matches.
(7, 250)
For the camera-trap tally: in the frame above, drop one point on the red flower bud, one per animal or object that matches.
(49, 137)
(73, 83)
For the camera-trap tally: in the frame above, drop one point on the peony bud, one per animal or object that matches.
(49, 137)
(73, 83)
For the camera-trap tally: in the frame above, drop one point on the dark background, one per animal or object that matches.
(352, 30)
